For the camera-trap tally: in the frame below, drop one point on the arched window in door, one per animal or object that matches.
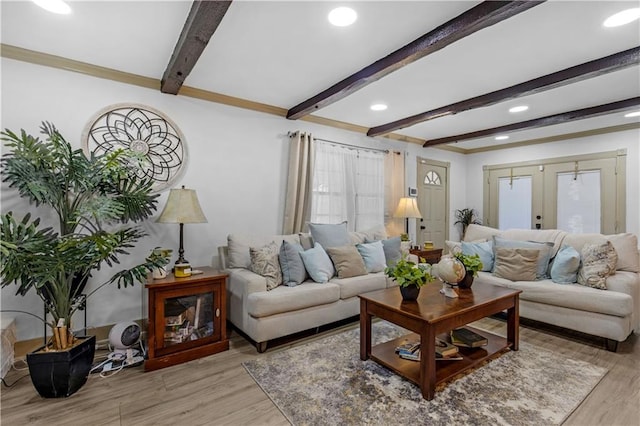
(432, 178)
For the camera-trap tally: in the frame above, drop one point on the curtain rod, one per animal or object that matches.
(386, 151)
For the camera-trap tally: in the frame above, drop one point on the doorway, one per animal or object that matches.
(433, 202)
(578, 194)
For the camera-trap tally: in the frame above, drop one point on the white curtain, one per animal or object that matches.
(297, 210)
(348, 184)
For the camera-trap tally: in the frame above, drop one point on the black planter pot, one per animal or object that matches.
(410, 292)
(61, 374)
(467, 281)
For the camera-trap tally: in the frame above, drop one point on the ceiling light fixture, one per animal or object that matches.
(55, 6)
(633, 114)
(622, 18)
(378, 107)
(342, 16)
(501, 138)
(519, 108)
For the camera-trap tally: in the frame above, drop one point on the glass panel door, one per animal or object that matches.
(514, 197)
(579, 202)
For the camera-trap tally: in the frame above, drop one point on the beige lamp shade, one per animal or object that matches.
(407, 207)
(182, 207)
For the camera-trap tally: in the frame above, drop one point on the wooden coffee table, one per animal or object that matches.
(434, 315)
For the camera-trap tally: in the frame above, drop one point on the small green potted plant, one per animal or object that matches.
(409, 277)
(466, 217)
(472, 264)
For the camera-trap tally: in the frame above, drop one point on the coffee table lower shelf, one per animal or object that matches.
(385, 355)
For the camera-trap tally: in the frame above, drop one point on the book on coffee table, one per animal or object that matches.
(464, 337)
(444, 348)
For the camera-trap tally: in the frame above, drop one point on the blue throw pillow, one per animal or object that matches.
(392, 251)
(293, 270)
(373, 256)
(318, 264)
(330, 235)
(483, 249)
(564, 268)
(544, 254)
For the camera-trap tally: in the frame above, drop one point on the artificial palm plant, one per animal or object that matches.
(466, 217)
(94, 199)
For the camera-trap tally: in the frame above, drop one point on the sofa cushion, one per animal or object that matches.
(350, 287)
(544, 254)
(329, 234)
(287, 299)
(264, 261)
(347, 261)
(626, 246)
(372, 234)
(318, 264)
(239, 244)
(516, 264)
(598, 262)
(480, 232)
(552, 236)
(573, 296)
(482, 249)
(373, 256)
(291, 264)
(564, 267)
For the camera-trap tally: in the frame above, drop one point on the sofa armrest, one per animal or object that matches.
(243, 282)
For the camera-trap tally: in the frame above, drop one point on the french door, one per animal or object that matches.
(583, 194)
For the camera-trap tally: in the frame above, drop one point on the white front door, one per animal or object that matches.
(433, 202)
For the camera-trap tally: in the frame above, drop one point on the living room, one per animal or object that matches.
(237, 161)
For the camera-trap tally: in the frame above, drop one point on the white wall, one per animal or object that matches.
(629, 140)
(237, 164)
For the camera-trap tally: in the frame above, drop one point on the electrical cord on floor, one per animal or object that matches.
(4, 382)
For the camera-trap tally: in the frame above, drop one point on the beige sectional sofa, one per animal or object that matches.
(264, 314)
(612, 313)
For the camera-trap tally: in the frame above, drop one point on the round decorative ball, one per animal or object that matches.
(450, 269)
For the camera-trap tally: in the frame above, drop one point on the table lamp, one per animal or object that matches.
(182, 207)
(407, 208)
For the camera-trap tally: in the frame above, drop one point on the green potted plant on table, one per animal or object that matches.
(93, 199)
(409, 276)
(472, 264)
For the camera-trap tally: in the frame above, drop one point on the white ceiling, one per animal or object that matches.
(282, 53)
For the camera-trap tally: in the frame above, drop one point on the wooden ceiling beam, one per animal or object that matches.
(550, 120)
(203, 20)
(481, 16)
(574, 74)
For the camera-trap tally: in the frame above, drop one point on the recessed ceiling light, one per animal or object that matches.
(622, 18)
(633, 114)
(55, 6)
(342, 16)
(519, 108)
(501, 138)
(378, 107)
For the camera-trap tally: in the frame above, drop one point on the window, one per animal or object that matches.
(348, 184)
(432, 178)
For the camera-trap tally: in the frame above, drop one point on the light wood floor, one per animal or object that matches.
(217, 390)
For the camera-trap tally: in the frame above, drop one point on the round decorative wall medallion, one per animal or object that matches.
(141, 129)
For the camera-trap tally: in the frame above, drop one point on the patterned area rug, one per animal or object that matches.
(326, 383)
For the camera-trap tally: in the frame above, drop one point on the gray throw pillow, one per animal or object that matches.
(318, 264)
(544, 252)
(330, 235)
(293, 270)
(392, 251)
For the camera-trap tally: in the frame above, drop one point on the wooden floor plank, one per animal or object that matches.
(218, 390)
